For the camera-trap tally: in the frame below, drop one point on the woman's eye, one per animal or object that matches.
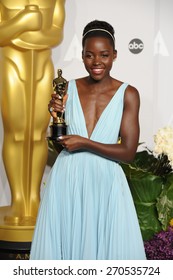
(88, 56)
(105, 55)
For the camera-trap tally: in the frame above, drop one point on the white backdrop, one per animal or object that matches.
(150, 70)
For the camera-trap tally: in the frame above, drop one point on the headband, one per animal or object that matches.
(99, 29)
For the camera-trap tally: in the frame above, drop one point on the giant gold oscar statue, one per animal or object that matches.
(28, 31)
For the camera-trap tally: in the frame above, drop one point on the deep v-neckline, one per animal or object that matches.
(101, 115)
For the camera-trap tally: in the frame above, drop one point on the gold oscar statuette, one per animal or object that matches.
(58, 127)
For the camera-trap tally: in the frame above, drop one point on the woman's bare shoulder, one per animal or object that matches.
(131, 92)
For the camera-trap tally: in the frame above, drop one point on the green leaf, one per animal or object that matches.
(165, 202)
(147, 162)
(148, 220)
(144, 160)
(145, 189)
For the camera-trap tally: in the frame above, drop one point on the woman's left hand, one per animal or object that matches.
(73, 142)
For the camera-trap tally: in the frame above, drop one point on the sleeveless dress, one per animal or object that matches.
(87, 211)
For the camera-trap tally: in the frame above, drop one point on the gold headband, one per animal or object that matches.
(99, 29)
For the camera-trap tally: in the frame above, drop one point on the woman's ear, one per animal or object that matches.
(115, 54)
(82, 55)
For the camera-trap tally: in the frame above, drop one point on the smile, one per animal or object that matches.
(97, 71)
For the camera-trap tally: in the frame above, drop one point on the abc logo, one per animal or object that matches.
(136, 46)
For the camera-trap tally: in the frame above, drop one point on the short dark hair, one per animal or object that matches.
(99, 28)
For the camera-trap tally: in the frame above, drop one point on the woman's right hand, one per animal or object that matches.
(56, 104)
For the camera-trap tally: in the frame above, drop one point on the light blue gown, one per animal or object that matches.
(87, 212)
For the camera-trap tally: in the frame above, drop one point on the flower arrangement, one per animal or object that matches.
(150, 178)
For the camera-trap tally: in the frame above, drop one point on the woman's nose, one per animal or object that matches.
(96, 60)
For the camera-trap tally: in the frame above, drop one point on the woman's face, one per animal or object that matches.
(98, 55)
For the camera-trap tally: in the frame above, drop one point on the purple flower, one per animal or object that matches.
(160, 247)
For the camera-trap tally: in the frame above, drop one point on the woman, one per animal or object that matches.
(87, 211)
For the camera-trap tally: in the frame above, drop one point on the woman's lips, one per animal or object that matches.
(97, 71)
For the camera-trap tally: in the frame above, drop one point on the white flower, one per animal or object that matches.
(157, 150)
(164, 143)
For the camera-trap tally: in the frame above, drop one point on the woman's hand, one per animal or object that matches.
(57, 104)
(73, 142)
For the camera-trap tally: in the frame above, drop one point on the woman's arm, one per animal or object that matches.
(129, 132)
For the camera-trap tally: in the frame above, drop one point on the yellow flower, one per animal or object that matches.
(171, 222)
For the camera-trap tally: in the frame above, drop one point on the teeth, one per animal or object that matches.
(97, 70)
